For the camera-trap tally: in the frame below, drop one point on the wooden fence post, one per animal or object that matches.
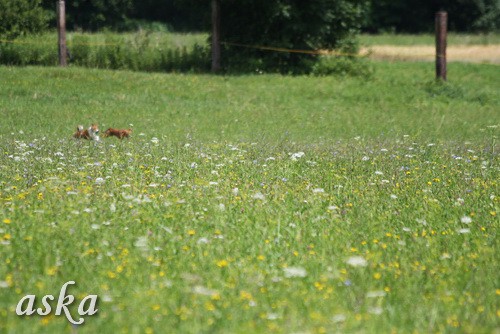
(61, 32)
(441, 30)
(215, 35)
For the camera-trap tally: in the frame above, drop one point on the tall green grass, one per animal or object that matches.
(143, 50)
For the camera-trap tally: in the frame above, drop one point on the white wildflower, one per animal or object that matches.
(201, 290)
(295, 272)
(258, 195)
(357, 261)
(376, 294)
(339, 318)
(296, 156)
(141, 242)
(466, 220)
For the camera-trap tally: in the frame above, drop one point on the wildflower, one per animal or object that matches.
(258, 195)
(376, 294)
(339, 318)
(466, 219)
(357, 261)
(51, 271)
(464, 231)
(202, 241)
(7, 221)
(222, 263)
(375, 310)
(294, 272)
(445, 256)
(422, 221)
(141, 242)
(296, 156)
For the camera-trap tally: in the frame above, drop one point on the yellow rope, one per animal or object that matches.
(311, 52)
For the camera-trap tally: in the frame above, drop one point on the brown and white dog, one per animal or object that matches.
(92, 133)
(118, 133)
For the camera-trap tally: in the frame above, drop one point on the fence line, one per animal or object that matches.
(277, 49)
(266, 48)
(365, 52)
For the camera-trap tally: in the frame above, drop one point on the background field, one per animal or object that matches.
(173, 52)
(257, 203)
(399, 99)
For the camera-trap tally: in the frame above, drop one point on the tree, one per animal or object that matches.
(19, 17)
(93, 14)
(488, 19)
(414, 16)
(289, 24)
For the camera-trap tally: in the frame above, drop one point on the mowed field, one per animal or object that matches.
(253, 204)
(461, 48)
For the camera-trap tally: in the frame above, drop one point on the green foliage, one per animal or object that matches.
(414, 16)
(93, 14)
(18, 17)
(488, 18)
(302, 25)
(140, 51)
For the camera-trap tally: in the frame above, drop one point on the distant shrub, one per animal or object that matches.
(18, 17)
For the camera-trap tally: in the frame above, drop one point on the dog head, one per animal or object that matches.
(94, 132)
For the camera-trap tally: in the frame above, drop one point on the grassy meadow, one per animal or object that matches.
(253, 204)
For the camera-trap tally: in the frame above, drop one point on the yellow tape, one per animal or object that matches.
(311, 52)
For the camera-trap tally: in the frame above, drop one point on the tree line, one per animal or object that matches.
(403, 16)
(287, 24)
